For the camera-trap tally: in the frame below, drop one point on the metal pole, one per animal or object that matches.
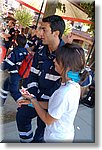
(91, 51)
(39, 14)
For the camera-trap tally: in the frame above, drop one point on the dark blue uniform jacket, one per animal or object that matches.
(12, 64)
(43, 79)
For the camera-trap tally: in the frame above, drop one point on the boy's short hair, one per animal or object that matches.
(56, 23)
(21, 40)
(12, 21)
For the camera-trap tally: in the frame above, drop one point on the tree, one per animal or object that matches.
(23, 17)
(50, 7)
(89, 8)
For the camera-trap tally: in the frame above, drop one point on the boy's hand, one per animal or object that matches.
(27, 96)
(23, 102)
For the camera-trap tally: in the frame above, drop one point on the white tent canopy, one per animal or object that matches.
(73, 12)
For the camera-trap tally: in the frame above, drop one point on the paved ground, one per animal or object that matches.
(84, 125)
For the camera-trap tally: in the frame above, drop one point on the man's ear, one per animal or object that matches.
(56, 33)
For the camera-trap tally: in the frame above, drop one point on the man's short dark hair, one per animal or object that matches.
(56, 23)
(21, 40)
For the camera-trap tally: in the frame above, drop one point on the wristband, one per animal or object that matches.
(32, 98)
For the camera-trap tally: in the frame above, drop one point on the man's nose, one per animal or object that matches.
(42, 33)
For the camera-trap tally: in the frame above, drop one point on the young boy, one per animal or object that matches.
(11, 63)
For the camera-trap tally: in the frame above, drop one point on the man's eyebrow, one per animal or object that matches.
(43, 28)
(39, 28)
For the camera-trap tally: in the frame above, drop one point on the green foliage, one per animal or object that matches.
(68, 29)
(23, 17)
(89, 8)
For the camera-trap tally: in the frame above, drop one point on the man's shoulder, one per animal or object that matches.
(42, 49)
(61, 43)
(12, 30)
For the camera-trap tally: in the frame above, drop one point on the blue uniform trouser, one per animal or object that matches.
(11, 84)
(4, 91)
(24, 116)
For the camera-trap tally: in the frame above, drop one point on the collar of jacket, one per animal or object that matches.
(53, 54)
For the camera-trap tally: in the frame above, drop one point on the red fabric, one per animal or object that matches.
(2, 53)
(29, 6)
(26, 66)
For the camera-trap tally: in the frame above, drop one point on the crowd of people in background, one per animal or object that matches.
(52, 91)
(10, 30)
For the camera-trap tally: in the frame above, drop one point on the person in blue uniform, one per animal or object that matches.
(88, 89)
(34, 38)
(10, 36)
(34, 45)
(43, 79)
(11, 64)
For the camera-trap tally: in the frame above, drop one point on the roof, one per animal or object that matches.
(82, 34)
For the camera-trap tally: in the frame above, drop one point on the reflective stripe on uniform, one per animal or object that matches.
(45, 96)
(26, 136)
(19, 63)
(20, 98)
(3, 91)
(2, 96)
(14, 71)
(34, 70)
(33, 84)
(9, 62)
(25, 133)
(51, 77)
(26, 140)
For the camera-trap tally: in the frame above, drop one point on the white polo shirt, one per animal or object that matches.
(63, 105)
